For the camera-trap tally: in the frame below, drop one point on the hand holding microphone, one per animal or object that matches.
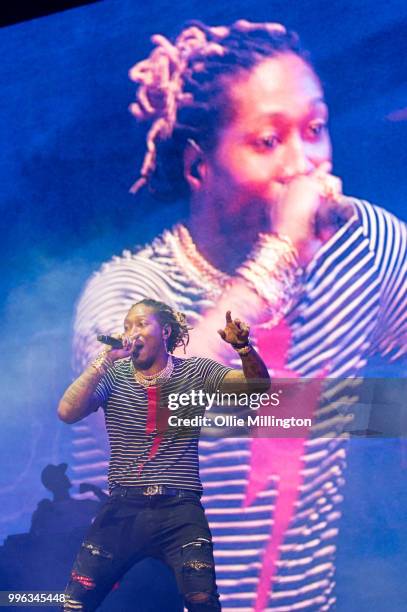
(311, 208)
(121, 346)
(333, 210)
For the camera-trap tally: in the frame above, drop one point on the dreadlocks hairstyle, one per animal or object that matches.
(182, 92)
(176, 320)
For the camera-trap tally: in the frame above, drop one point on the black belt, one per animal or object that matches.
(151, 490)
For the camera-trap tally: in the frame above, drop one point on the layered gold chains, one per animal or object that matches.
(157, 378)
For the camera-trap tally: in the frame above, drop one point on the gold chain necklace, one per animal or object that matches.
(152, 380)
(202, 268)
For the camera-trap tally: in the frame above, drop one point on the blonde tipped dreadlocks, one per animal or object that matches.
(169, 316)
(182, 91)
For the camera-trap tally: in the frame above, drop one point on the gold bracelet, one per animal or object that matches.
(272, 270)
(102, 363)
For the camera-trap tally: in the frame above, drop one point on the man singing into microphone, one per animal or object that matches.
(154, 506)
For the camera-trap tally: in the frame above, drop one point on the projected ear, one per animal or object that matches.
(194, 165)
(166, 331)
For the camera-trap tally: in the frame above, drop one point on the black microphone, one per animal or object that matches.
(115, 343)
(332, 215)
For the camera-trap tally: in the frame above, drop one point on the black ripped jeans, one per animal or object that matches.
(173, 529)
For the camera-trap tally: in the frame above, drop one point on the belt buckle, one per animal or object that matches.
(152, 490)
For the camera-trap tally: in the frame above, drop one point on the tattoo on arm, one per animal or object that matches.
(254, 377)
(254, 368)
(79, 388)
(79, 399)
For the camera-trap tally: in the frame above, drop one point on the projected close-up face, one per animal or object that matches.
(278, 131)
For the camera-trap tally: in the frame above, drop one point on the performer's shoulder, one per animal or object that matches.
(196, 363)
(373, 216)
(145, 271)
(183, 362)
(189, 363)
(146, 257)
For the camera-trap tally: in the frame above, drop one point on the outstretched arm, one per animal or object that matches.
(254, 375)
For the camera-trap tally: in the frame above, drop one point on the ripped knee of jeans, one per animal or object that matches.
(198, 597)
(86, 581)
(97, 551)
(70, 605)
(199, 573)
(202, 602)
(85, 576)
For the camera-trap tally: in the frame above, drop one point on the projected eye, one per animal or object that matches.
(270, 142)
(316, 129)
(267, 142)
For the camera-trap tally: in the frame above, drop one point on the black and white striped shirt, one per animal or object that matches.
(352, 308)
(144, 448)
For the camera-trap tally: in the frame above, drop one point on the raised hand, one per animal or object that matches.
(236, 332)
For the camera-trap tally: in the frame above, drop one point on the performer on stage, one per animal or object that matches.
(238, 126)
(154, 507)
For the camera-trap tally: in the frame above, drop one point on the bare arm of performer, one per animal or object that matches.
(254, 376)
(80, 400)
